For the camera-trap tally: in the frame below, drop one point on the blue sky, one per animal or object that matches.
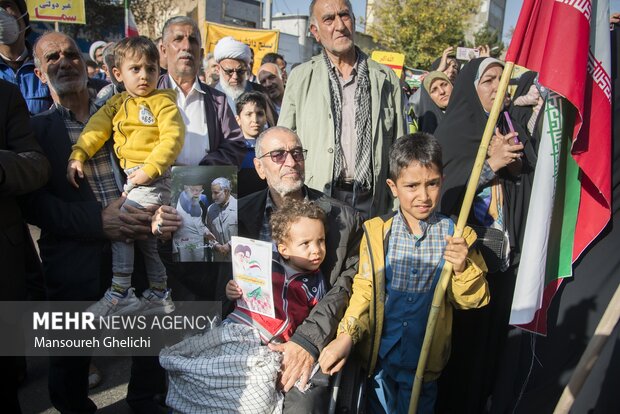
(359, 6)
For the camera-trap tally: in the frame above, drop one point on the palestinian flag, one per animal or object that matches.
(131, 29)
(568, 43)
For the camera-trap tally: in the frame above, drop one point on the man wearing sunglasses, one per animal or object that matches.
(280, 160)
(233, 58)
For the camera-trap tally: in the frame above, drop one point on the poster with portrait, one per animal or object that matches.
(252, 271)
(205, 198)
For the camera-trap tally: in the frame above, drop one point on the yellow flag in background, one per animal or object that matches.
(261, 41)
(392, 60)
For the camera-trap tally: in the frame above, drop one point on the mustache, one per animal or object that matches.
(289, 171)
(183, 55)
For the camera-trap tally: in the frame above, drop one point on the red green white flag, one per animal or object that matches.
(568, 43)
(131, 29)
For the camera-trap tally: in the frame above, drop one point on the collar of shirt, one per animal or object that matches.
(270, 207)
(179, 91)
(353, 72)
(67, 114)
(399, 224)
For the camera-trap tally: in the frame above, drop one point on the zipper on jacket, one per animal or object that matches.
(374, 289)
(118, 151)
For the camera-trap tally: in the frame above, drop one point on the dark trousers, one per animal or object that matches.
(361, 201)
(146, 384)
(68, 384)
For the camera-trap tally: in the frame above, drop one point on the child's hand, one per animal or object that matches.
(74, 166)
(334, 355)
(233, 291)
(456, 253)
(139, 177)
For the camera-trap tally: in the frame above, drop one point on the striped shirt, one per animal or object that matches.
(100, 169)
(413, 260)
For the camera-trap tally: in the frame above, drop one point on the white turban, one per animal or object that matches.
(229, 48)
(93, 48)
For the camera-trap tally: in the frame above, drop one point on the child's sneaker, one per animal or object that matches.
(116, 303)
(156, 303)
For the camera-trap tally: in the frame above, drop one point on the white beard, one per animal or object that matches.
(233, 91)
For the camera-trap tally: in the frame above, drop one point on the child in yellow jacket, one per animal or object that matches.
(401, 257)
(148, 134)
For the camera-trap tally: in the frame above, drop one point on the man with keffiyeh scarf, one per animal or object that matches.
(347, 110)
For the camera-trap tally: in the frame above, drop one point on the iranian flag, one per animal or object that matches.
(568, 43)
(131, 29)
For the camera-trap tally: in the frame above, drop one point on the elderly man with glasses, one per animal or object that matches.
(280, 160)
(233, 58)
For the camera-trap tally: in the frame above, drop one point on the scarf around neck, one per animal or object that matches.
(363, 125)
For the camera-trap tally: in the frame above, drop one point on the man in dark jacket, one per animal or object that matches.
(23, 169)
(280, 161)
(204, 110)
(78, 224)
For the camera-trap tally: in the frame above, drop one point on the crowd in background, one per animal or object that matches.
(320, 133)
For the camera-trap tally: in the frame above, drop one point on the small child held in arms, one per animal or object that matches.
(251, 117)
(401, 258)
(229, 368)
(148, 134)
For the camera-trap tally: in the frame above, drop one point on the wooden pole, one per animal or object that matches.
(446, 273)
(590, 355)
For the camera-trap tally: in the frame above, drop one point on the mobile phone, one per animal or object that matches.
(466, 53)
(511, 127)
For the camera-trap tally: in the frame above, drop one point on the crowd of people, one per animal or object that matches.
(354, 181)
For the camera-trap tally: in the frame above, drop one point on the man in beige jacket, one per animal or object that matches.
(347, 109)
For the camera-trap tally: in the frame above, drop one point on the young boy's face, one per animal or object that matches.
(251, 120)
(304, 247)
(418, 189)
(138, 75)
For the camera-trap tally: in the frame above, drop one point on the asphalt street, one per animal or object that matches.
(109, 395)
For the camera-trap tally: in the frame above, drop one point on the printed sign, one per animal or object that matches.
(62, 11)
(252, 271)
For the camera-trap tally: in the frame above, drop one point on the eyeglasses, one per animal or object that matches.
(279, 156)
(239, 71)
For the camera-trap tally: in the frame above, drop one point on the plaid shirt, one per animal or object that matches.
(270, 207)
(486, 175)
(413, 260)
(100, 169)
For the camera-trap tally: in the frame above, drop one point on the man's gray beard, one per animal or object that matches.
(67, 88)
(233, 91)
(284, 189)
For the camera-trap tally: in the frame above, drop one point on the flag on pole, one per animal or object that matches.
(131, 29)
(568, 43)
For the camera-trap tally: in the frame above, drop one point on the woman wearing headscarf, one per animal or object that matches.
(501, 203)
(435, 96)
(527, 102)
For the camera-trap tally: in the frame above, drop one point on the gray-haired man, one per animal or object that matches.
(222, 217)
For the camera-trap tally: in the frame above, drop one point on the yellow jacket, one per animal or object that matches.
(363, 319)
(147, 130)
